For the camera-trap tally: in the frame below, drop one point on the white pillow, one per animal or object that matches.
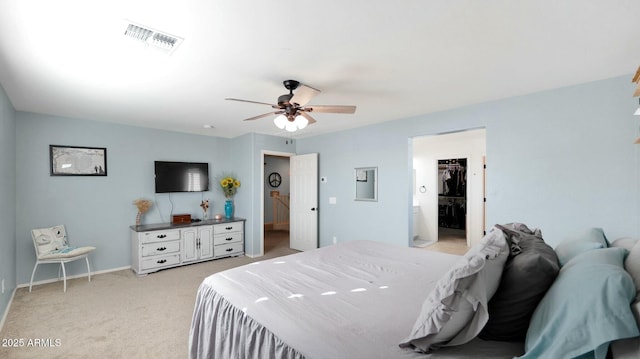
(456, 309)
(625, 242)
(632, 266)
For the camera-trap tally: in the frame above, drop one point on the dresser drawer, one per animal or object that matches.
(160, 261)
(227, 228)
(228, 249)
(152, 249)
(159, 236)
(227, 238)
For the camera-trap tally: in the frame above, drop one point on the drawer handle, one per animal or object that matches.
(161, 236)
(162, 261)
(229, 249)
(228, 228)
(161, 249)
(228, 239)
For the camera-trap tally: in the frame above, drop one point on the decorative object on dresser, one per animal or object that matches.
(229, 186)
(166, 245)
(180, 218)
(205, 207)
(143, 206)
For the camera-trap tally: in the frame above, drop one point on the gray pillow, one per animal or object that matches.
(525, 279)
(456, 309)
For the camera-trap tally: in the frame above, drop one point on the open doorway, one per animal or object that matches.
(276, 199)
(439, 213)
(452, 199)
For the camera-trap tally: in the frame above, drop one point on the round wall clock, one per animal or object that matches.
(275, 179)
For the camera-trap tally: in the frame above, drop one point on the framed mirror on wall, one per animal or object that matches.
(366, 179)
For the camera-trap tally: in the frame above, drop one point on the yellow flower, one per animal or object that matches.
(229, 186)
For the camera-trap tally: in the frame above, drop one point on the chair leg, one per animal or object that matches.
(32, 274)
(88, 268)
(64, 276)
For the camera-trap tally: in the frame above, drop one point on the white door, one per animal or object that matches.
(303, 216)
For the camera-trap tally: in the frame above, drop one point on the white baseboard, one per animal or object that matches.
(73, 276)
(6, 311)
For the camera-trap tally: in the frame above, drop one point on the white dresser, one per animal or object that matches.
(228, 239)
(160, 246)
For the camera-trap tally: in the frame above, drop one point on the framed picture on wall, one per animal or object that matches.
(77, 161)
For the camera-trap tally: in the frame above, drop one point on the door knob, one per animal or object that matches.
(313, 209)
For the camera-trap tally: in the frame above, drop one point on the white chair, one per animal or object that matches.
(52, 246)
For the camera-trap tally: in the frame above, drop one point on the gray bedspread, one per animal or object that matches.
(352, 300)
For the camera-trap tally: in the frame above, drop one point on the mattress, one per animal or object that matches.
(356, 299)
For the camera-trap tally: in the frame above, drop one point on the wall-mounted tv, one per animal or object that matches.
(181, 176)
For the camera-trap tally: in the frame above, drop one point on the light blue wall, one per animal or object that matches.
(7, 199)
(561, 160)
(98, 210)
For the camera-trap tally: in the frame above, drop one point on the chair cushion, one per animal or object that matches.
(50, 239)
(67, 252)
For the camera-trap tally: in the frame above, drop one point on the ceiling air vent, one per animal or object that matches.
(153, 38)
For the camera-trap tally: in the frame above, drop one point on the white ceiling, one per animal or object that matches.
(393, 59)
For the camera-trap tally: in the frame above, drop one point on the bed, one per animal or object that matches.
(357, 299)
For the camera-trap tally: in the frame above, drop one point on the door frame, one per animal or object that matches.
(263, 181)
(472, 158)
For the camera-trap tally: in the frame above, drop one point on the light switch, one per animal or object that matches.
(332, 200)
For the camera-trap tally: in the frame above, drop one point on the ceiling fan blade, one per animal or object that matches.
(263, 115)
(303, 95)
(308, 117)
(331, 109)
(259, 103)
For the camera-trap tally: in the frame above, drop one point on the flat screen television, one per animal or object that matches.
(181, 176)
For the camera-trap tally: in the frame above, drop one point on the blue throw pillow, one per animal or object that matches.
(591, 239)
(585, 309)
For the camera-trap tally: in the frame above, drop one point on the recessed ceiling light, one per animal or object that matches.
(154, 38)
(208, 126)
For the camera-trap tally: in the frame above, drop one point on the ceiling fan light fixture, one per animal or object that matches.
(280, 121)
(291, 127)
(301, 122)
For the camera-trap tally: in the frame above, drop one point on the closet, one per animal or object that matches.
(452, 193)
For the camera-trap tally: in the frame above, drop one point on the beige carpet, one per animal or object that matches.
(117, 314)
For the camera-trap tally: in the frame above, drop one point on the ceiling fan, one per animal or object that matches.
(293, 114)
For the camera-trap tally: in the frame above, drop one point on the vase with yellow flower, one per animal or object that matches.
(229, 186)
